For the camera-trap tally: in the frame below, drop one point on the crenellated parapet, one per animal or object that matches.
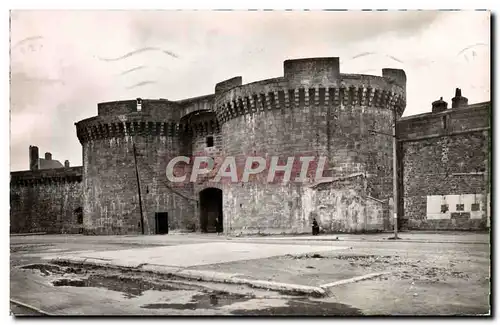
(98, 129)
(240, 101)
(201, 128)
(47, 176)
(148, 117)
(312, 83)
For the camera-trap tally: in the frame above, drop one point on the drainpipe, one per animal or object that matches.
(138, 189)
(395, 174)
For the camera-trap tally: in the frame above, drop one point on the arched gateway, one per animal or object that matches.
(211, 209)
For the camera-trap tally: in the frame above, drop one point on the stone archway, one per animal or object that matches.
(211, 209)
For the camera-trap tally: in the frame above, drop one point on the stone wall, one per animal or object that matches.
(342, 206)
(111, 197)
(445, 162)
(46, 201)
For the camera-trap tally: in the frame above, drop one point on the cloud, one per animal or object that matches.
(133, 69)
(138, 51)
(142, 83)
(26, 40)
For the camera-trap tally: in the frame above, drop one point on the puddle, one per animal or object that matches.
(49, 269)
(203, 301)
(69, 282)
(130, 287)
(304, 308)
(133, 287)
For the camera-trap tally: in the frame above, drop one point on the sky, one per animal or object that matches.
(65, 62)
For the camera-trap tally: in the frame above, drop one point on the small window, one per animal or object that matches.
(474, 207)
(444, 208)
(139, 104)
(444, 122)
(210, 141)
(460, 207)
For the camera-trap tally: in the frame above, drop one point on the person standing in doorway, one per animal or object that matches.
(315, 227)
(218, 226)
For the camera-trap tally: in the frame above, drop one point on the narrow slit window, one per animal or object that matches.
(210, 141)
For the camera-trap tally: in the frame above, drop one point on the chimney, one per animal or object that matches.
(48, 156)
(459, 101)
(66, 163)
(439, 105)
(33, 153)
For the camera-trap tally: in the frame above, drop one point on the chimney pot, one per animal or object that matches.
(459, 101)
(439, 105)
(33, 156)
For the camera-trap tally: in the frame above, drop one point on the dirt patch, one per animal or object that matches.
(402, 267)
(305, 256)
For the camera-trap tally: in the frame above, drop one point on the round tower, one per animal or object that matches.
(313, 110)
(126, 148)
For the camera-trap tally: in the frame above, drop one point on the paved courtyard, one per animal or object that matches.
(423, 274)
(187, 255)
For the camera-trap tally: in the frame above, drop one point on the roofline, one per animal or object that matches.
(446, 111)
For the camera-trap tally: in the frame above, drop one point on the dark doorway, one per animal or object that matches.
(161, 223)
(79, 215)
(211, 209)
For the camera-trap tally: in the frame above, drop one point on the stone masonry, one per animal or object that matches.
(312, 110)
(446, 159)
(47, 200)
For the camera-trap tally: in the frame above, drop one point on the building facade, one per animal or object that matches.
(445, 166)
(312, 110)
(46, 198)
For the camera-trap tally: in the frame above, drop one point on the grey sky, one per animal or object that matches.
(64, 62)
